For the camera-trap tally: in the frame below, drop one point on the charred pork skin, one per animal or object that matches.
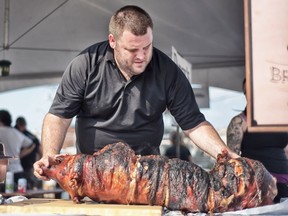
(115, 174)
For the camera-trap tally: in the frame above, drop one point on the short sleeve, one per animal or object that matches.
(70, 92)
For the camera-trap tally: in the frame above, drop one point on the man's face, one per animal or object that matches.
(132, 53)
(22, 127)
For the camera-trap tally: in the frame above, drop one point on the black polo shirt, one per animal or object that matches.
(110, 109)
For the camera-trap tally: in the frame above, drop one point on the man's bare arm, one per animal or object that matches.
(235, 131)
(53, 134)
(206, 138)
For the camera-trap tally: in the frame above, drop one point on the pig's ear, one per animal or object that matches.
(59, 158)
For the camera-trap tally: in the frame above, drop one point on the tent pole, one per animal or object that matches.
(6, 25)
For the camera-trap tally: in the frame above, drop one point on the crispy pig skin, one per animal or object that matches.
(116, 175)
(241, 183)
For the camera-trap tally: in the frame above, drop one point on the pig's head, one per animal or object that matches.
(264, 182)
(67, 171)
(240, 183)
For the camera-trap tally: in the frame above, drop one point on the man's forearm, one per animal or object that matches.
(53, 133)
(207, 139)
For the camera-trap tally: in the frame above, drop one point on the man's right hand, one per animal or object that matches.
(38, 171)
(45, 162)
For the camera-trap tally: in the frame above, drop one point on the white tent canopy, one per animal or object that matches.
(44, 36)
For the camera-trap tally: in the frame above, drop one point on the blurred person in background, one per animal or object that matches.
(16, 145)
(178, 148)
(28, 160)
(266, 147)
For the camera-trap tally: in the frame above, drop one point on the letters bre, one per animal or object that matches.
(279, 75)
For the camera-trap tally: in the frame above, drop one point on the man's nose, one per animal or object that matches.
(141, 54)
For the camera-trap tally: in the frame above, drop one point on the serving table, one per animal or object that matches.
(39, 193)
(67, 207)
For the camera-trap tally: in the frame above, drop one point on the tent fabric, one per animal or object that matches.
(44, 36)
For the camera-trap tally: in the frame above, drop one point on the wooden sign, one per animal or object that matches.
(266, 45)
(182, 63)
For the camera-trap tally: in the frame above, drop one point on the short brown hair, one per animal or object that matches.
(21, 121)
(5, 118)
(132, 18)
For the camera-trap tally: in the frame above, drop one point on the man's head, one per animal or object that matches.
(130, 35)
(131, 18)
(5, 118)
(21, 123)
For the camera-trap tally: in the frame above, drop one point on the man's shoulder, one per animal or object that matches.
(159, 54)
(240, 117)
(92, 54)
(96, 51)
(99, 46)
(164, 64)
(239, 120)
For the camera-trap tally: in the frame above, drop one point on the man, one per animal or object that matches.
(118, 89)
(28, 161)
(16, 145)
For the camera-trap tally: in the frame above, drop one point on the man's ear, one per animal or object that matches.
(112, 41)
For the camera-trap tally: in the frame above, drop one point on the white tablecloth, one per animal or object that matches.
(279, 209)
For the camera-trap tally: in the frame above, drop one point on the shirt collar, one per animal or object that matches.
(110, 54)
(110, 57)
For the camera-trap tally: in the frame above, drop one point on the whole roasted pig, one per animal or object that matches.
(116, 175)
